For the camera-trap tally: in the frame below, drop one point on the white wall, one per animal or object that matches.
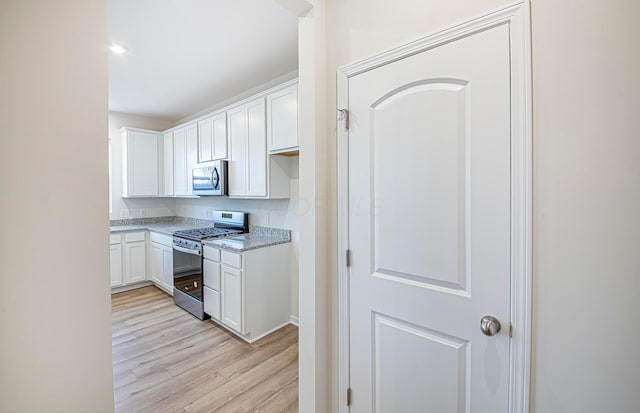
(55, 308)
(276, 213)
(140, 206)
(586, 62)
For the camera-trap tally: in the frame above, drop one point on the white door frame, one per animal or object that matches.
(517, 18)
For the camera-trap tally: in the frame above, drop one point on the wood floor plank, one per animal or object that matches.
(166, 360)
(286, 400)
(246, 382)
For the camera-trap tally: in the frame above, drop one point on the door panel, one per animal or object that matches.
(220, 136)
(232, 298)
(429, 229)
(257, 149)
(238, 154)
(179, 163)
(205, 139)
(191, 138)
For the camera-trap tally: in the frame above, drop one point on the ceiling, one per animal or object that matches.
(187, 55)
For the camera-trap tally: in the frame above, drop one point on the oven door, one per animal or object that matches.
(187, 271)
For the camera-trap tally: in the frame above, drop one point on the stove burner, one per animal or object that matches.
(209, 232)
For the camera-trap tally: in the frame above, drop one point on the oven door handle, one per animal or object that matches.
(187, 250)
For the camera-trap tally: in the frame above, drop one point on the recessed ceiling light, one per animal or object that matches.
(119, 48)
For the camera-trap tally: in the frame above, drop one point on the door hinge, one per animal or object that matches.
(348, 258)
(344, 115)
(349, 396)
(510, 330)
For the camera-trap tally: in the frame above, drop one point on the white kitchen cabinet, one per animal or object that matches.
(238, 151)
(161, 256)
(282, 120)
(256, 149)
(179, 162)
(140, 176)
(167, 269)
(115, 260)
(253, 174)
(135, 259)
(231, 298)
(212, 138)
(212, 304)
(185, 155)
(167, 140)
(155, 272)
(250, 289)
(191, 138)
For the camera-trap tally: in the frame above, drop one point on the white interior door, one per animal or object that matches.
(429, 229)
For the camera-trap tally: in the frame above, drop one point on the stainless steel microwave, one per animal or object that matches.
(210, 179)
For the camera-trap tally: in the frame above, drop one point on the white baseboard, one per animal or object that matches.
(124, 288)
(295, 321)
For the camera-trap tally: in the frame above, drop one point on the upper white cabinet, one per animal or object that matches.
(256, 149)
(140, 177)
(252, 173)
(282, 120)
(248, 157)
(179, 162)
(212, 138)
(191, 137)
(253, 135)
(185, 155)
(238, 151)
(167, 140)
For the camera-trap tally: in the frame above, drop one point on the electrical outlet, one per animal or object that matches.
(124, 213)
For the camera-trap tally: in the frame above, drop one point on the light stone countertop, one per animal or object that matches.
(258, 237)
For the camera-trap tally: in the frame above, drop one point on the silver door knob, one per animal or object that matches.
(490, 326)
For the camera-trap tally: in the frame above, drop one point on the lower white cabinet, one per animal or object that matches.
(232, 298)
(135, 268)
(115, 260)
(212, 303)
(248, 292)
(161, 257)
(128, 258)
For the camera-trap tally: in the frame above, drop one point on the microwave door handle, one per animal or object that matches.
(215, 178)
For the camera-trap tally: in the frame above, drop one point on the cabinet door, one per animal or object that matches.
(232, 298)
(167, 139)
(179, 163)
(211, 276)
(212, 303)
(135, 262)
(282, 119)
(167, 268)
(238, 151)
(141, 164)
(256, 149)
(155, 272)
(219, 124)
(191, 133)
(205, 140)
(115, 261)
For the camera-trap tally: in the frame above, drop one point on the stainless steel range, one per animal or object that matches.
(188, 260)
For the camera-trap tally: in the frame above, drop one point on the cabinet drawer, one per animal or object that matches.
(115, 239)
(134, 236)
(212, 303)
(161, 239)
(212, 274)
(211, 253)
(231, 259)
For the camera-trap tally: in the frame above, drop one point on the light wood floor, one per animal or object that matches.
(166, 360)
